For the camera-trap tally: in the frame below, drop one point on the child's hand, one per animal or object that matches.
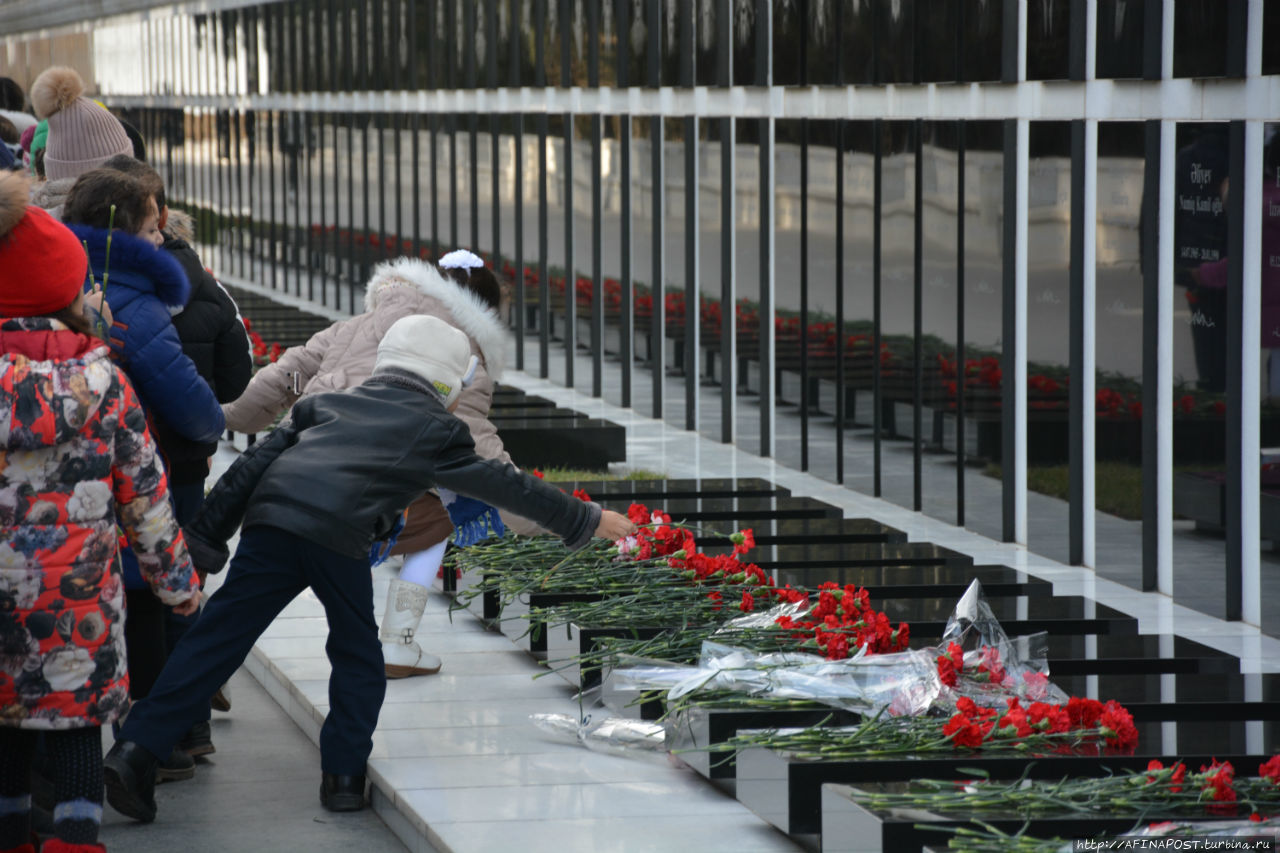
(96, 309)
(614, 525)
(190, 606)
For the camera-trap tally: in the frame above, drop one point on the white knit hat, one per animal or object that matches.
(432, 349)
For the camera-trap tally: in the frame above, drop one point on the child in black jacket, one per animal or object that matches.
(313, 499)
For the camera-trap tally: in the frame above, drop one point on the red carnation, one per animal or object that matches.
(1218, 779)
(1084, 713)
(743, 541)
(1116, 724)
(964, 731)
(947, 671)
(1270, 769)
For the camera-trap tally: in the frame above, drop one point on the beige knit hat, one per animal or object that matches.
(82, 135)
(432, 349)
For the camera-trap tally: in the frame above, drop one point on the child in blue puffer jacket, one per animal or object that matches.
(144, 286)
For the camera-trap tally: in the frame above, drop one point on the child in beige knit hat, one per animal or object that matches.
(82, 134)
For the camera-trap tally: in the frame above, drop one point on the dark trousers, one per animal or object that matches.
(187, 499)
(269, 569)
(144, 638)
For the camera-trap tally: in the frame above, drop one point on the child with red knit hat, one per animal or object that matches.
(76, 460)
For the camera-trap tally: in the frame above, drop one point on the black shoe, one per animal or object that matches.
(342, 793)
(178, 766)
(130, 773)
(221, 700)
(197, 741)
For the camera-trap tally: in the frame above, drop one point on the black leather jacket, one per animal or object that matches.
(346, 465)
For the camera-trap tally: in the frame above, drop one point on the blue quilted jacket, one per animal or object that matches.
(144, 283)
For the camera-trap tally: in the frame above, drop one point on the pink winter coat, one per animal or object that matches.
(342, 357)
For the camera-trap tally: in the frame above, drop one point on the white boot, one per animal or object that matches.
(401, 655)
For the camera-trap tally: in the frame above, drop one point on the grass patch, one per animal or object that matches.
(1118, 487)
(563, 475)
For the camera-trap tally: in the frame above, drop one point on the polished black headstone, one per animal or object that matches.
(785, 790)
(890, 554)
(655, 491)
(848, 827)
(885, 582)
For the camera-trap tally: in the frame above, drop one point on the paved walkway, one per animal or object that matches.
(258, 792)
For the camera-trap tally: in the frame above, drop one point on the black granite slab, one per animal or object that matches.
(1177, 698)
(1018, 615)
(701, 727)
(505, 395)
(946, 581)
(509, 413)
(1186, 696)
(785, 791)
(747, 508)
(1068, 654)
(890, 554)
(656, 490)
(809, 531)
(906, 582)
(727, 514)
(848, 827)
(1152, 653)
(548, 443)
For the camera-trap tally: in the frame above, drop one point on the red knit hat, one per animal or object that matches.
(42, 264)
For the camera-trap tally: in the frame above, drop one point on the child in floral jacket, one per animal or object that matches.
(75, 460)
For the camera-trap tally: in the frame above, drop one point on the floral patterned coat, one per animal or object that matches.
(75, 460)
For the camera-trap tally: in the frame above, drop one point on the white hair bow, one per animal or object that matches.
(461, 259)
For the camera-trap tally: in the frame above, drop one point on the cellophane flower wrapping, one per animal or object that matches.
(978, 660)
(903, 681)
(610, 735)
(988, 666)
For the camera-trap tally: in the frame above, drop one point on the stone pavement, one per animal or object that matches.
(258, 792)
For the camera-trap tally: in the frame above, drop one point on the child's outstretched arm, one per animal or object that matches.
(276, 387)
(459, 469)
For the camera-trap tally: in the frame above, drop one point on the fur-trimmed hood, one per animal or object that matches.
(471, 313)
(50, 195)
(137, 264)
(180, 225)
